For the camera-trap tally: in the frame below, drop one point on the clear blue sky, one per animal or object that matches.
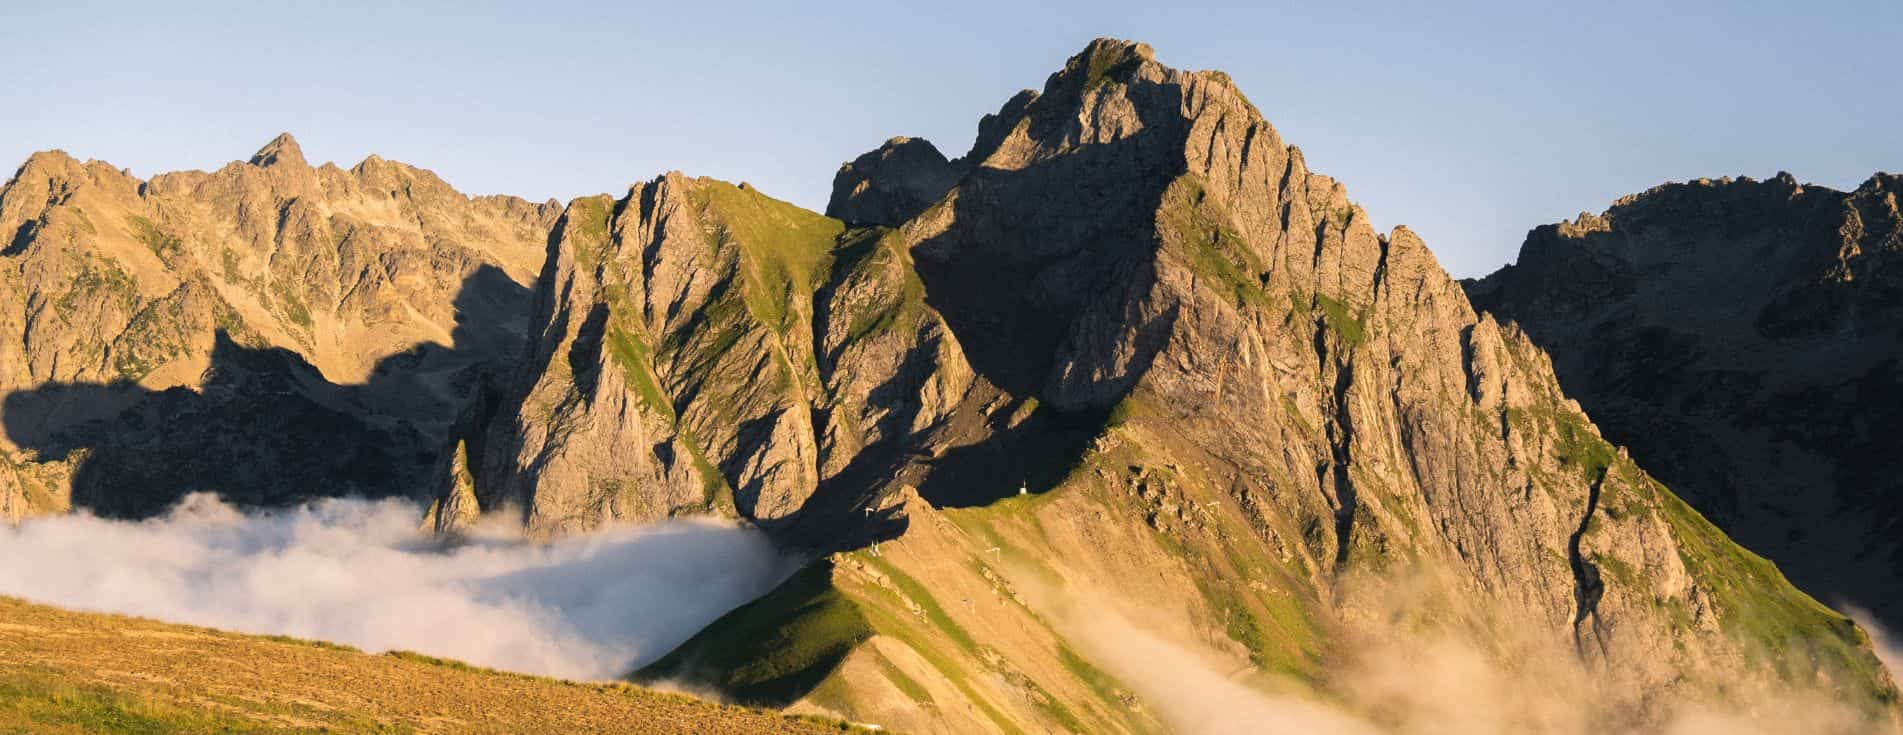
(1469, 123)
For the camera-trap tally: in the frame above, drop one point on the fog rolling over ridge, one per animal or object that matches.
(1400, 673)
(358, 572)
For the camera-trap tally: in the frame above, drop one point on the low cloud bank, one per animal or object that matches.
(357, 572)
(1189, 691)
(1393, 677)
(1889, 647)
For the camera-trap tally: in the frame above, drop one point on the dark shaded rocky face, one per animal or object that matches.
(1237, 410)
(1743, 337)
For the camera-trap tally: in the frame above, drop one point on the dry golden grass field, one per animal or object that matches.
(73, 672)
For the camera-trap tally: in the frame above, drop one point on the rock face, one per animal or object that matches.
(1745, 338)
(700, 347)
(892, 184)
(273, 331)
(1228, 391)
(1126, 358)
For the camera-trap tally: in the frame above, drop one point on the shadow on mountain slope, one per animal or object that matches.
(1035, 258)
(1038, 265)
(1042, 274)
(266, 428)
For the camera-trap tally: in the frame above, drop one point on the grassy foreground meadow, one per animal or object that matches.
(74, 672)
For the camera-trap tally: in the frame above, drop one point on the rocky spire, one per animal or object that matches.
(281, 150)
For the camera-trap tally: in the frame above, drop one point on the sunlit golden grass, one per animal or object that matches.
(72, 672)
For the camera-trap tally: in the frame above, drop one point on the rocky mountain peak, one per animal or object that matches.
(892, 183)
(1107, 59)
(281, 150)
(1129, 336)
(1137, 241)
(1741, 337)
(47, 162)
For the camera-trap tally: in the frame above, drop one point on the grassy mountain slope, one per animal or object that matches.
(73, 672)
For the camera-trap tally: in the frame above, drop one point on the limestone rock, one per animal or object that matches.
(455, 507)
(1742, 337)
(892, 184)
(272, 330)
(1128, 345)
(1209, 359)
(701, 347)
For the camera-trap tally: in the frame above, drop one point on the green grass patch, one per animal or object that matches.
(1102, 684)
(234, 326)
(637, 361)
(785, 249)
(713, 485)
(423, 658)
(1340, 217)
(1129, 409)
(1274, 626)
(1774, 622)
(934, 613)
(1624, 573)
(1579, 447)
(589, 220)
(1053, 708)
(1574, 442)
(1106, 688)
(1201, 232)
(722, 322)
(291, 305)
(1346, 324)
(155, 336)
(161, 243)
(775, 649)
(906, 684)
(1241, 624)
(307, 643)
(228, 263)
(901, 311)
(96, 277)
(32, 701)
(1106, 63)
(901, 626)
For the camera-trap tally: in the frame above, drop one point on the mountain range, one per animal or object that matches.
(1126, 373)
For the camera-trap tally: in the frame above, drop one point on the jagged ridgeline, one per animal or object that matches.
(1127, 358)
(1745, 338)
(271, 331)
(1219, 385)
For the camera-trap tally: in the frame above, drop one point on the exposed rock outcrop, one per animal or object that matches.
(892, 184)
(701, 347)
(1128, 354)
(1243, 398)
(271, 330)
(1745, 338)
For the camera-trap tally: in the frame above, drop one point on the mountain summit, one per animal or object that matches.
(1220, 385)
(282, 149)
(1123, 402)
